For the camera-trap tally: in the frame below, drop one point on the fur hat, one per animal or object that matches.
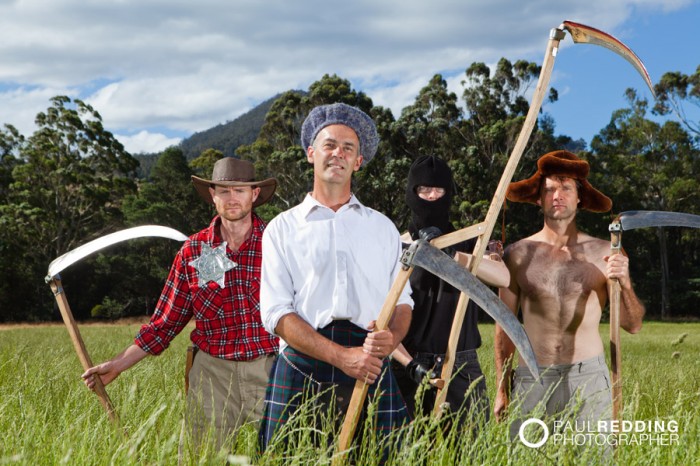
(341, 114)
(230, 171)
(560, 163)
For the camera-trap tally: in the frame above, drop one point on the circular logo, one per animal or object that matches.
(533, 444)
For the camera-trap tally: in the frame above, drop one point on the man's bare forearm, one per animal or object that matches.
(401, 355)
(110, 370)
(503, 349)
(303, 337)
(400, 323)
(353, 361)
(632, 310)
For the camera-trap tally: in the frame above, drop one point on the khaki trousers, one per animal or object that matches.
(224, 395)
(581, 391)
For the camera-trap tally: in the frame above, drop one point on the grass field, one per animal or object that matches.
(48, 417)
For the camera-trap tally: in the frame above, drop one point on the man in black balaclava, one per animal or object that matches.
(429, 193)
(426, 211)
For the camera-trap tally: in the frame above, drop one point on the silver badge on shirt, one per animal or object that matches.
(212, 264)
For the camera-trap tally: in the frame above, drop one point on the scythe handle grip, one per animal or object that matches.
(359, 393)
(615, 350)
(79, 345)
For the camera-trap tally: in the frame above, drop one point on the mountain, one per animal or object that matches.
(226, 137)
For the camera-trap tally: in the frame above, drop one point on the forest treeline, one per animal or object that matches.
(71, 181)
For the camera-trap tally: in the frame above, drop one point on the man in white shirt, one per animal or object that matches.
(328, 265)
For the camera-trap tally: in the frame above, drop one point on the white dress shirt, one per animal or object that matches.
(326, 265)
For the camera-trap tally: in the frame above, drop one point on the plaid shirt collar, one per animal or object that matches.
(213, 232)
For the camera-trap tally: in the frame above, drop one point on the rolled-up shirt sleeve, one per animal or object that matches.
(172, 313)
(276, 287)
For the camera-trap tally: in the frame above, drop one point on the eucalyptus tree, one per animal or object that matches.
(496, 103)
(66, 187)
(674, 91)
(167, 196)
(429, 126)
(10, 255)
(380, 184)
(646, 165)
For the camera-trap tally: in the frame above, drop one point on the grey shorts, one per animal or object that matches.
(580, 392)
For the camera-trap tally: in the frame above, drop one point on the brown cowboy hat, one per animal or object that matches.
(560, 163)
(231, 171)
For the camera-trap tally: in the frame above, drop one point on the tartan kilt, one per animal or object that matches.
(287, 385)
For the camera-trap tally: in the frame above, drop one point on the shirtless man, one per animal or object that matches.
(559, 282)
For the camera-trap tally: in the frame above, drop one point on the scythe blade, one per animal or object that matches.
(54, 281)
(582, 34)
(430, 258)
(626, 221)
(634, 219)
(71, 257)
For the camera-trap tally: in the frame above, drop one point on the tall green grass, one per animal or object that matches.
(48, 417)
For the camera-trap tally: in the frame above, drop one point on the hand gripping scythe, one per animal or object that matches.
(77, 254)
(580, 33)
(627, 221)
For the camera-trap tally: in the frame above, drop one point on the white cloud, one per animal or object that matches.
(184, 66)
(145, 142)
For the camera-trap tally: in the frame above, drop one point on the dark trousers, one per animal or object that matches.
(466, 371)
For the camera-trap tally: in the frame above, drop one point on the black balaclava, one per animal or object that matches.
(428, 170)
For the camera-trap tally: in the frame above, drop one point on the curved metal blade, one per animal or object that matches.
(71, 257)
(634, 219)
(581, 33)
(423, 254)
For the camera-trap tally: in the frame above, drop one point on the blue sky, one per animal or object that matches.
(159, 71)
(593, 79)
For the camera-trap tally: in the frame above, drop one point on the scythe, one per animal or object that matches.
(54, 281)
(580, 34)
(483, 231)
(627, 221)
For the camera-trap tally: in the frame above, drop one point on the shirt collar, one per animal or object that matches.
(214, 231)
(309, 204)
(258, 228)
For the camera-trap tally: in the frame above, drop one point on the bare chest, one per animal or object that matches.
(560, 275)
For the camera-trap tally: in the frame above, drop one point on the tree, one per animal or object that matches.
(71, 179)
(644, 165)
(167, 197)
(67, 183)
(10, 141)
(427, 127)
(381, 183)
(673, 90)
(203, 165)
(496, 107)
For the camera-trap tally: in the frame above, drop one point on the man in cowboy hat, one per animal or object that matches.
(559, 283)
(328, 265)
(215, 278)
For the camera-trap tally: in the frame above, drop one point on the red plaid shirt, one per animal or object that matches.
(227, 320)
